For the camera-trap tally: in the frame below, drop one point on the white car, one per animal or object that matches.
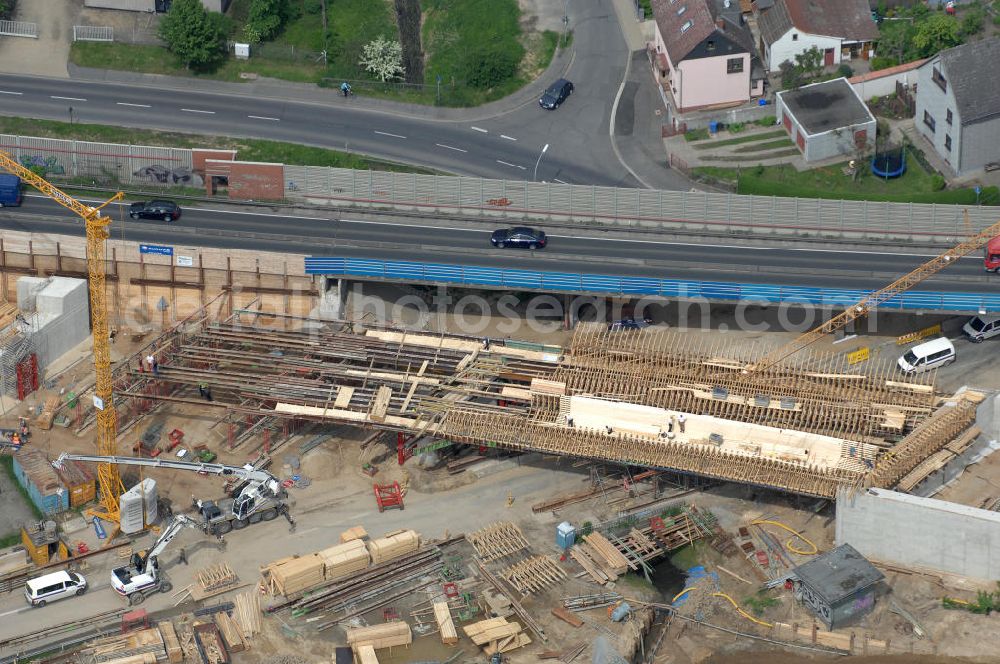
(981, 328)
(58, 585)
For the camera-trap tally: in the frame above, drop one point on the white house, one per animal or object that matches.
(841, 29)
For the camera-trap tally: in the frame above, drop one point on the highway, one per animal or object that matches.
(595, 252)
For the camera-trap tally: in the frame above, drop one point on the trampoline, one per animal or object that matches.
(890, 163)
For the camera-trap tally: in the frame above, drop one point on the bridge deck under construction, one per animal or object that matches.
(653, 398)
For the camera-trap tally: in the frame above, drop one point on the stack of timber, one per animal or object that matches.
(366, 655)
(497, 635)
(394, 545)
(533, 574)
(230, 631)
(170, 642)
(44, 421)
(139, 646)
(289, 576)
(497, 540)
(345, 559)
(217, 577)
(247, 614)
(445, 623)
(606, 554)
(386, 635)
(355, 533)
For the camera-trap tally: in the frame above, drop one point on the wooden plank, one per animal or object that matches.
(381, 404)
(567, 616)
(366, 655)
(446, 625)
(344, 394)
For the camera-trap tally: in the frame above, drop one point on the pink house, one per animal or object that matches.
(704, 55)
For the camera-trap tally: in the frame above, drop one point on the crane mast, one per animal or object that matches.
(96, 225)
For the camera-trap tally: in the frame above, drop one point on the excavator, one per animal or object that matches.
(142, 576)
(258, 496)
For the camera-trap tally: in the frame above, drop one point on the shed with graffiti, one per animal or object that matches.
(839, 586)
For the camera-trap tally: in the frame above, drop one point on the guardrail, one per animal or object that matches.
(19, 29)
(692, 212)
(97, 33)
(595, 284)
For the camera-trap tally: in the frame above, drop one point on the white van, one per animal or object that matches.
(51, 587)
(927, 356)
(980, 328)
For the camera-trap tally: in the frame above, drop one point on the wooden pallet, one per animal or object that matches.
(533, 574)
(497, 540)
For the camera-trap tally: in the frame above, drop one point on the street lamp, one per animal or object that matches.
(71, 115)
(534, 178)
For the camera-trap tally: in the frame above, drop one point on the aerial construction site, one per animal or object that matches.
(215, 471)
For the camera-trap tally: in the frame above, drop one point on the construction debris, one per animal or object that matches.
(497, 540)
(134, 644)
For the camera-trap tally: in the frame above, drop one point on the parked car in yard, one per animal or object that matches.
(981, 328)
(165, 210)
(519, 237)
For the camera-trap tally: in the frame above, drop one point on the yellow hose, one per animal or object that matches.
(741, 611)
(682, 593)
(788, 544)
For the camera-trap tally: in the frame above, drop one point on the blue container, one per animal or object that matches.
(565, 535)
(713, 127)
(762, 102)
(34, 472)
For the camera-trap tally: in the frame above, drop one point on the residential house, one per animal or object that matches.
(704, 54)
(840, 29)
(958, 104)
(827, 119)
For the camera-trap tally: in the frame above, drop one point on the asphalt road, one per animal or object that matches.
(505, 146)
(578, 251)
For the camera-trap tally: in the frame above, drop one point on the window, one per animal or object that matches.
(947, 142)
(948, 117)
(687, 26)
(710, 46)
(795, 36)
(939, 79)
(734, 65)
(683, 9)
(929, 121)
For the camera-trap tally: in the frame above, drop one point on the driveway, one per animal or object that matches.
(47, 55)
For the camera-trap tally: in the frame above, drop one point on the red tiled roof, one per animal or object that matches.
(890, 71)
(848, 19)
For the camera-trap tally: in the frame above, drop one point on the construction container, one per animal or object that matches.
(41, 541)
(132, 512)
(39, 479)
(79, 481)
(150, 500)
(565, 535)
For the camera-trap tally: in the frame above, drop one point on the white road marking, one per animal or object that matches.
(506, 137)
(385, 133)
(68, 98)
(481, 130)
(264, 117)
(448, 147)
(7, 613)
(122, 103)
(507, 163)
(5, 92)
(195, 110)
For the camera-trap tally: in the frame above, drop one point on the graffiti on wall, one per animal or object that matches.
(42, 165)
(178, 175)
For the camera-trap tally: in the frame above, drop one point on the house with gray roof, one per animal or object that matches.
(842, 30)
(958, 105)
(704, 55)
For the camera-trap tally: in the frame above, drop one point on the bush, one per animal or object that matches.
(845, 71)
(767, 121)
(882, 62)
(696, 134)
(972, 22)
(265, 20)
(736, 127)
(7, 8)
(490, 65)
(937, 182)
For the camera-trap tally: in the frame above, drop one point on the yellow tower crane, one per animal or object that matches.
(862, 308)
(97, 232)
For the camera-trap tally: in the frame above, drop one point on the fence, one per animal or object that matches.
(19, 29)
(690, 212)
(95, 33)
(104, 162)
(283, 52)
(562, 282)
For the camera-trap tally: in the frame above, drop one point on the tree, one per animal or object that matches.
(193, 34)
(265, 19)
(383, 58)
(791, 76)
(936, 33)
(894, 40)
(972, 22)
(408, 21)
(810, 62)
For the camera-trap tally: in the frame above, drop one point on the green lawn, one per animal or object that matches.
(708, 145)
(767, 145)
(914, 186)
(453, 34)
(249, 149)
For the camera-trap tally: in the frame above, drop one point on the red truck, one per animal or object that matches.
(991, 259)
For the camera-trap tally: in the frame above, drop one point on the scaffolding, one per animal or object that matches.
(16, 349)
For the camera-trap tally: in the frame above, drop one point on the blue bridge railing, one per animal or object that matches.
(567, 282)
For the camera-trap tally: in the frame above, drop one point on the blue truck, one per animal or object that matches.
(10, 190)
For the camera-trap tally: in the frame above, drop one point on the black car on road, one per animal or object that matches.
(165, 210)
(519, 237)
(556, 94)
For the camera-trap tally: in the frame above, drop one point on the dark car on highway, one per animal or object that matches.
(165, 210)
(629, 324)
(520, 237)
(556, 94)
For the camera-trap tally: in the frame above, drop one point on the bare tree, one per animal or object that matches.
(408, 20)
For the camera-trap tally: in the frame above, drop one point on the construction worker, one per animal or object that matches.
(680, 421)
(15, 439)
(182, 557)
